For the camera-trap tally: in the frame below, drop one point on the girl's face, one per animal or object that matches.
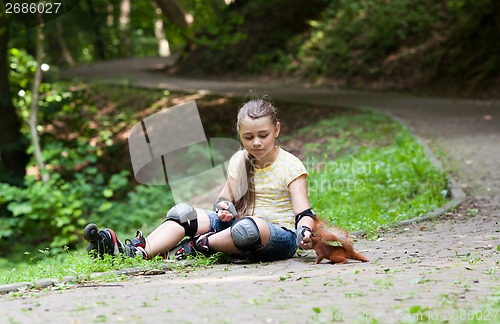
(258, 135)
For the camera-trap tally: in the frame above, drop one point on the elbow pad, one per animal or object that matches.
(308, 212)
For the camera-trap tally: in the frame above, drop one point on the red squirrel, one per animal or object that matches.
(336, 254)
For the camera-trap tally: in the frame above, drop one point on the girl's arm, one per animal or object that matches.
(300, 202)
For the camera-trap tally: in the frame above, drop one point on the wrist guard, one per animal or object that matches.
(300, 234)
(308, 212)
(229, 204)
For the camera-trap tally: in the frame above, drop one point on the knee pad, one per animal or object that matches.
(245, 234)
(186, 216)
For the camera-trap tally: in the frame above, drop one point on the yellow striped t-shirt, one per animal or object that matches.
(272, 196)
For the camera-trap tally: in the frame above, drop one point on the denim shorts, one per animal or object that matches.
(282, 241)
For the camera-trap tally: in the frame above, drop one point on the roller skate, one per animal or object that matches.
(137, 246)
(105, 242)
(191, 246)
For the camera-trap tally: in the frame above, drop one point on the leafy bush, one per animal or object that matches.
(246, 35)
(83, 149)
(56, 211)
(400, 44)
(354, 38)
(145, 207)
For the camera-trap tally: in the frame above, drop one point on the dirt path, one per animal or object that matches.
(449, 265)
(424, 266)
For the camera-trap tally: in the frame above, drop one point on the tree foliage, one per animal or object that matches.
(357, 42)
(403, 43)
(248, 35)
(84, 151)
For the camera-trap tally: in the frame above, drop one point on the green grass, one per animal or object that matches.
(78, 264)
(367, 172)
(81, 266)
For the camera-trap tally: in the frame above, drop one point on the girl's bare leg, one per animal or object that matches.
(168, 234)
(222, 241)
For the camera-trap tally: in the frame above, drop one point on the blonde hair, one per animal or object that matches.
(254, 108)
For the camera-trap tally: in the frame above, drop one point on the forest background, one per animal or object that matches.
(62, 162)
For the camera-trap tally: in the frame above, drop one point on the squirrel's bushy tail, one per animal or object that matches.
(343, 237)
(334, 233)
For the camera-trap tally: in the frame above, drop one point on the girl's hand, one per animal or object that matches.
(224, 214)
(306, 245)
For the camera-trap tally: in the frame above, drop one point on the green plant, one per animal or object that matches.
(354, 37)
(199, 260)
(468, 258)
(52, 264)
(87, 181)
(56, 211)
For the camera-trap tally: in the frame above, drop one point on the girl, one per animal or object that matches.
(263, 212)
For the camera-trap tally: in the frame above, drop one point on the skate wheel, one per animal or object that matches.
(90, 232)
(91, 248)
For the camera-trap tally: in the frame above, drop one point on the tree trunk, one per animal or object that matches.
(175, 13)
(125, 27)
(65, 53)
(35, 95)
(99, 46)
(110, 20)
(13, 154)
(163, 46)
